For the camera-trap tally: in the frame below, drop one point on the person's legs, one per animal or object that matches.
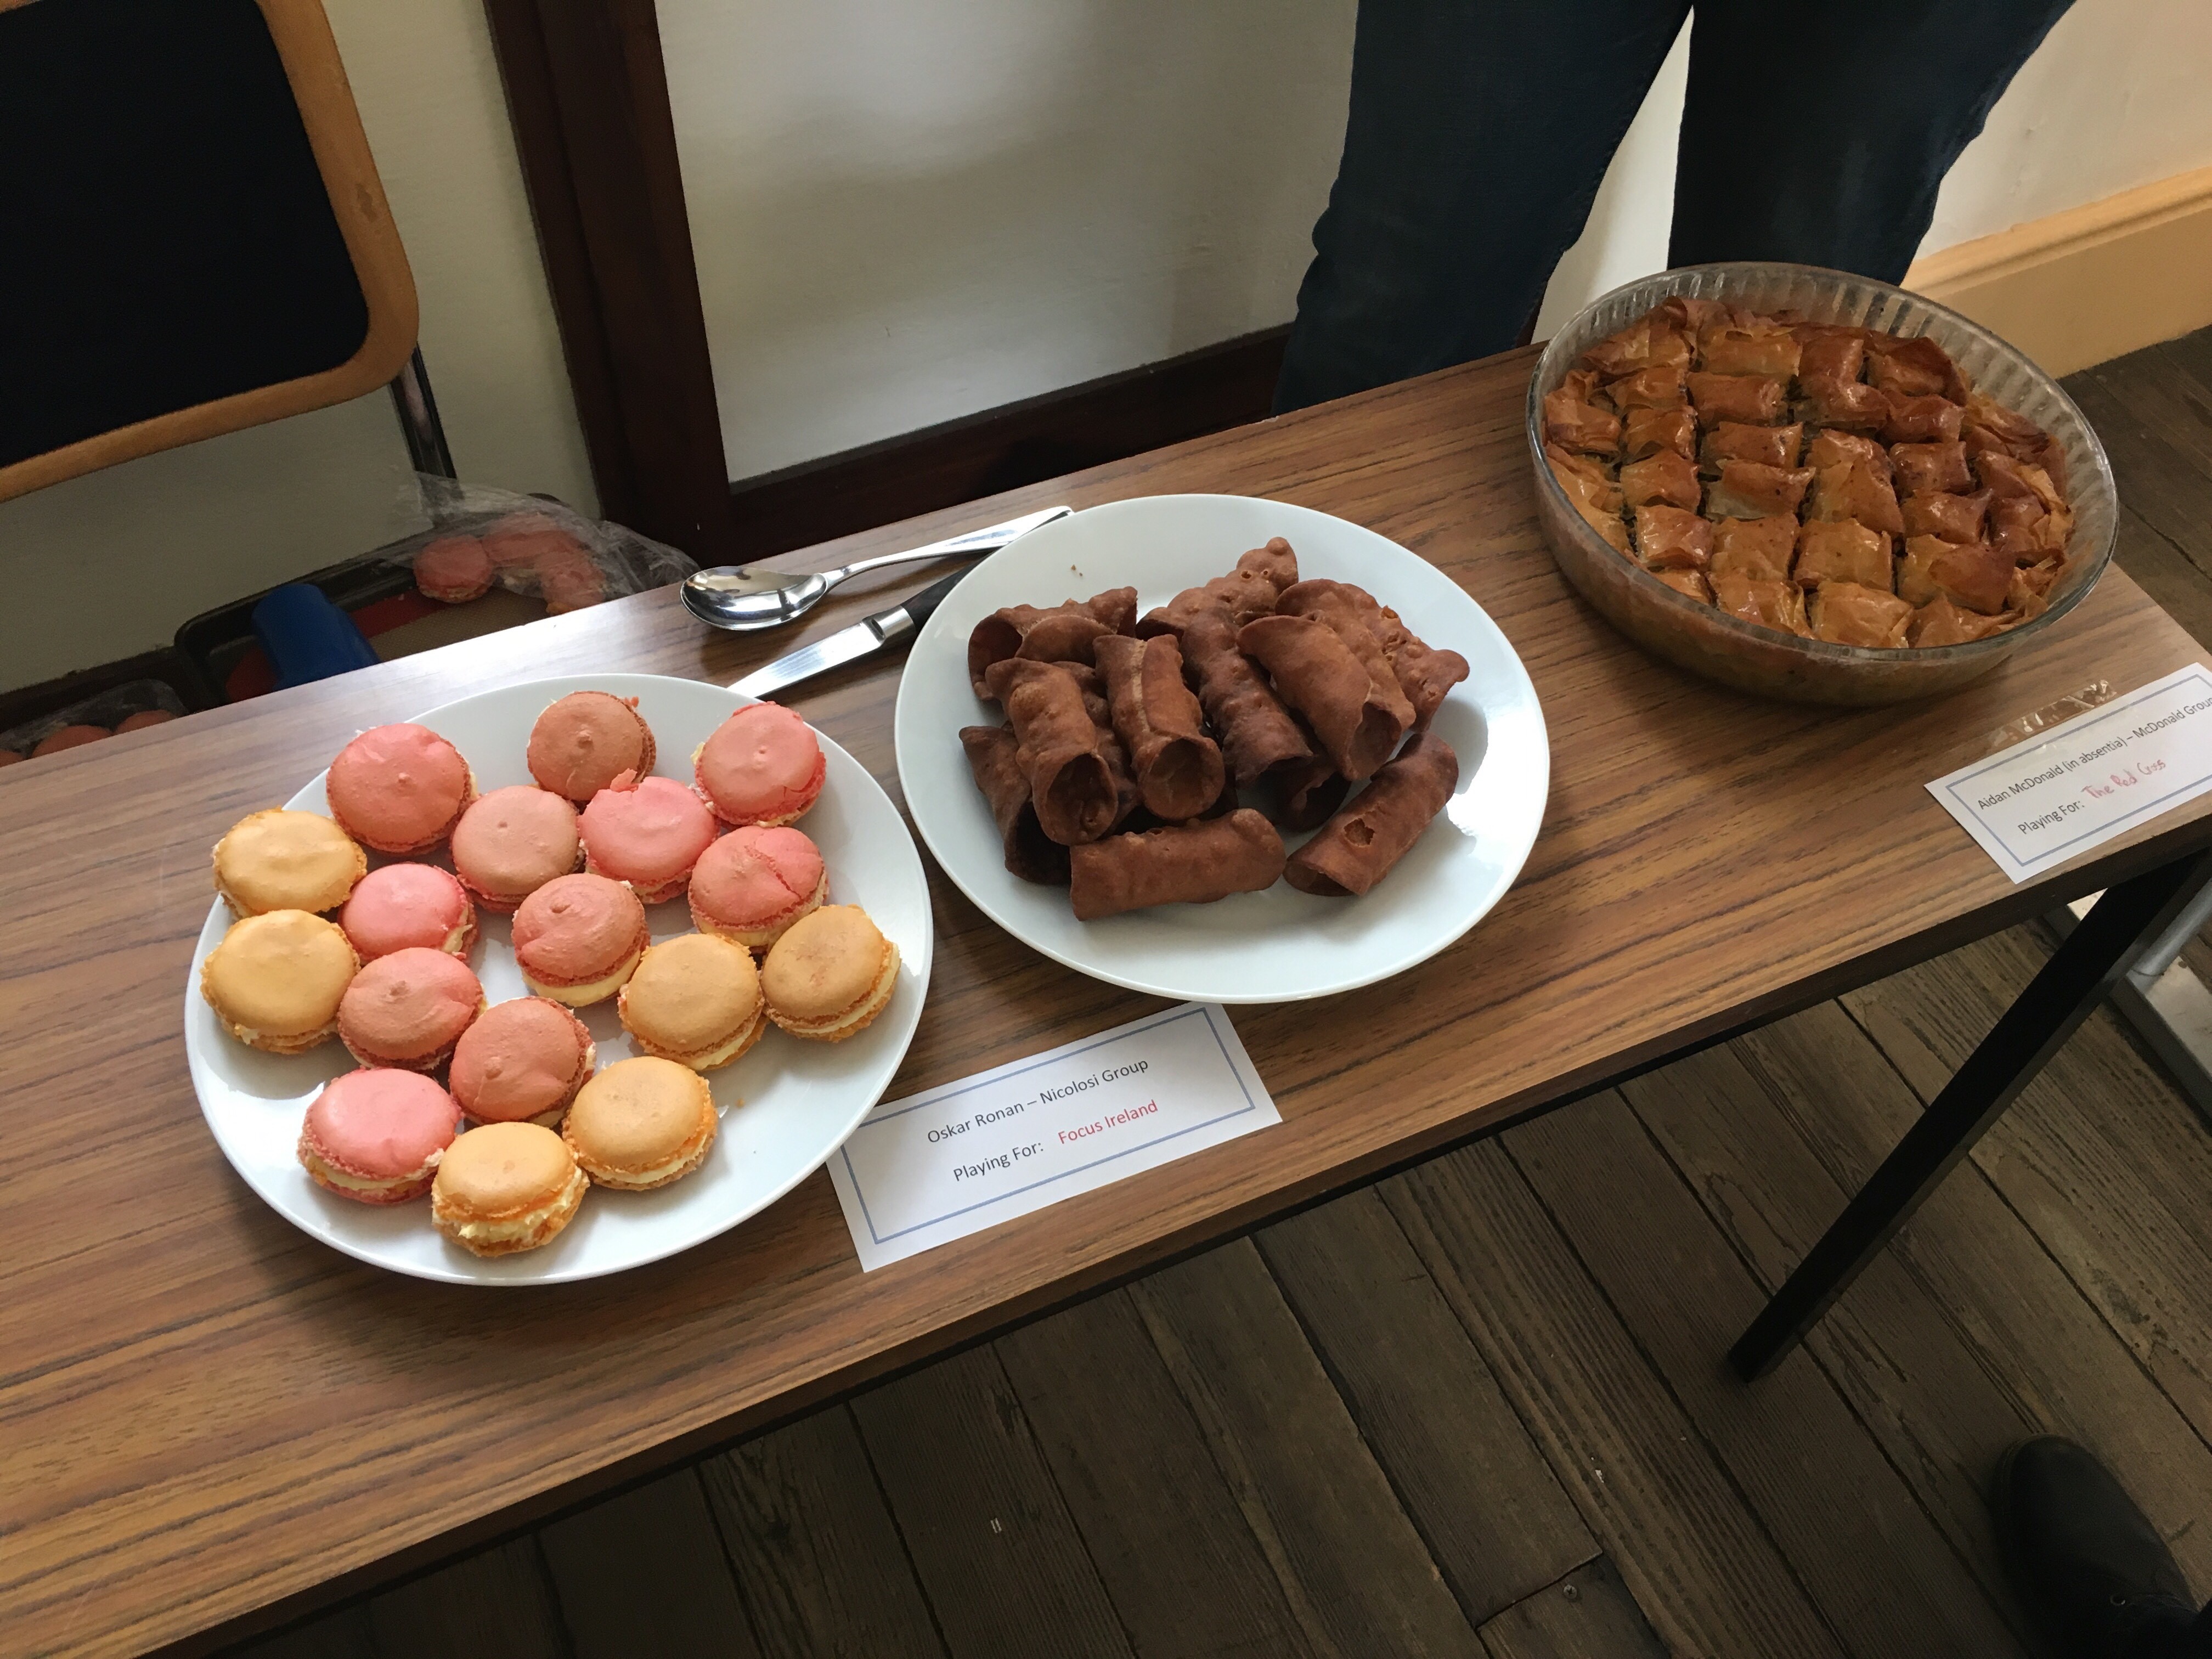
(1479, 130)
(1818, 135)
(2087, 1564)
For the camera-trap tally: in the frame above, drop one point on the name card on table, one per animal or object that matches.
(939, 1165)
(2036, 806)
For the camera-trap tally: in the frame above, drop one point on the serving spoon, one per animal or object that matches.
(730, 595)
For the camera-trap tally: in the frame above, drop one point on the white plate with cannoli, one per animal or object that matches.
(1222, 749)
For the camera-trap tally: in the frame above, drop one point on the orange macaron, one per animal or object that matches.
(398, 788)
(504, 1187)
(640, 1124)
(578, 939)
(830, 974)
(522, 1062)
(586, 740)
(408, 1009)
(695, 1000)
(512, 842)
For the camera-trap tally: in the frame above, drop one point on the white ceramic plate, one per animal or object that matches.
(786, 1106)
(1282, 944)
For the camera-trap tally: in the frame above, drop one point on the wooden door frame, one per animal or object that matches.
(588, 95)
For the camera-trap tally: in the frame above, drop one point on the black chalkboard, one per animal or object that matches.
(165, 236)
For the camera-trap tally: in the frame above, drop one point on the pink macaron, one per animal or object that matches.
(453, 569)
(755, 882)
(400, 907)
(376, 1136)
(408, 1009)
(512, 842)
(522, 1062)
(648, 832)
(577, 941)
(762, 765)
(398, 788)
(142, 719)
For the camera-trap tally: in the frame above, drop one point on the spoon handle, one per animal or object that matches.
(973, 544)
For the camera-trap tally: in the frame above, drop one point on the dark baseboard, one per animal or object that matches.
(1103, 420)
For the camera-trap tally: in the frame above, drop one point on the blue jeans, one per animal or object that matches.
(1479, 130)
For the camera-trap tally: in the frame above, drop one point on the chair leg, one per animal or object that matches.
(2078, 976)
(418, 420)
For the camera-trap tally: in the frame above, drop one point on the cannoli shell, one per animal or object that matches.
(1331, 603)
(1193, 863)
(1247, 591)
(1315, 672)
(1069, 629)
(1258, 736)
(1031, 854)
(1177, 767)
(1126, 797)
(1425, 674)
(1071, 785)
(1356, 847)
(1309, 795)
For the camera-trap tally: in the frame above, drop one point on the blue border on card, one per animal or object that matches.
(2113, 826)
(1053, 1057)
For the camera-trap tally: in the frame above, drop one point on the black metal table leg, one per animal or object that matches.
(2060, 997)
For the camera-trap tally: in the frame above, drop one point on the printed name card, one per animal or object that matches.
(2035, 807)
(939, 1165)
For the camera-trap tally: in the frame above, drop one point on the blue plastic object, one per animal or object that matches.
(307, 637)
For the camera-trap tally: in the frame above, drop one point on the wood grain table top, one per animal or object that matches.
(207, 1419)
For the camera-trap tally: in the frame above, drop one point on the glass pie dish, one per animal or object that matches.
(1767, 661)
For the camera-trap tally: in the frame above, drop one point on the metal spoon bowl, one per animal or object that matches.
(732, 597)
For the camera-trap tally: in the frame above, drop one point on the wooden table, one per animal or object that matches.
(212, 1422)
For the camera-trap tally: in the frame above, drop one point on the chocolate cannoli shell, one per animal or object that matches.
(1070, 627)
(1126, 798)
(1426, 674)
(1306, 795)
(1333, 603)
(1031, 854)
(1193, 863)
(1258, 736)
(1316, 673)
(1178, 768)
(1358, 846)
(1071, 786)
(1247, 591)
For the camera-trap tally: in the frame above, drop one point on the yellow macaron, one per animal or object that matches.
(280, 860)
(504, 1187)
(641, 1123)
(695, 1000)
(830, 974)
(275, 980)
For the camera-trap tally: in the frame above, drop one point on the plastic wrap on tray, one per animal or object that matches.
(480, 537)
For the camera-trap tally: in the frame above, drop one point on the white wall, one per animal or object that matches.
(108, 564)
(904, 213)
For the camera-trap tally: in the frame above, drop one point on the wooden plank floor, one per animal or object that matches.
(1480, 1409)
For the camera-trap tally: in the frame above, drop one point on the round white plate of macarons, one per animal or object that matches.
(1280, 945)
(785, 1106)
